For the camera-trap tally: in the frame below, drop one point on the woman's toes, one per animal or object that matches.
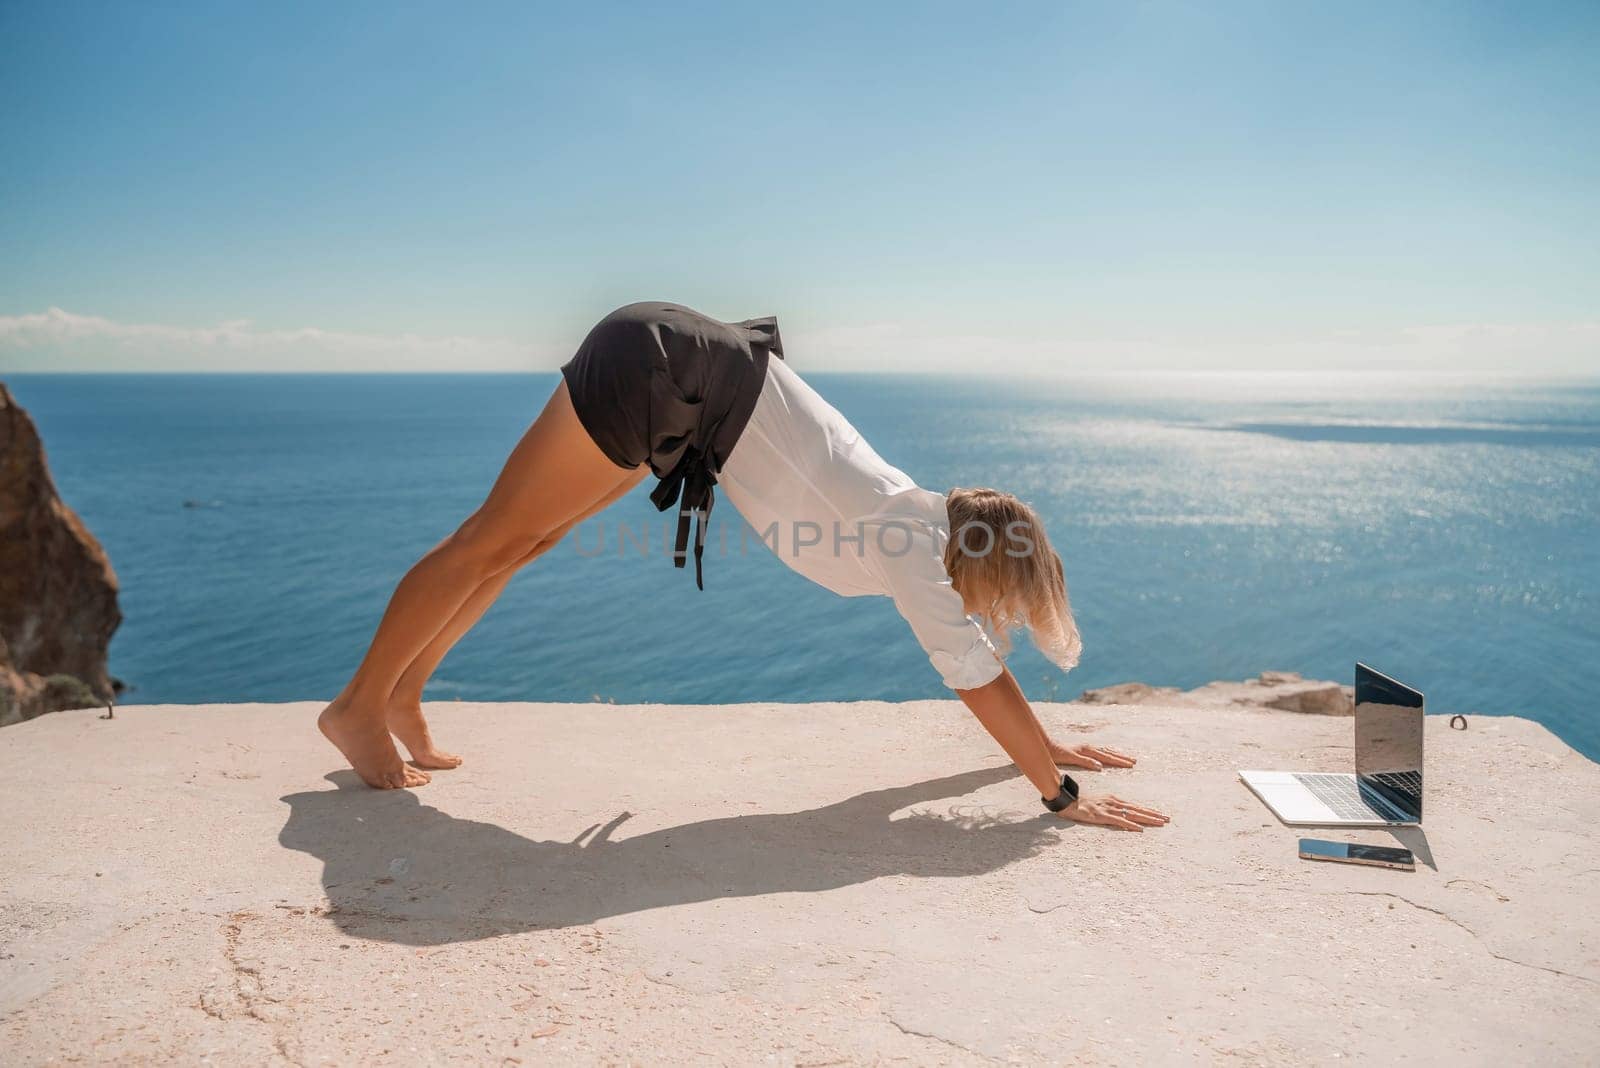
(405, 722)
(366, 744)
(414, 777)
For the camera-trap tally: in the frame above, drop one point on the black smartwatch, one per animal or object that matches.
(1068, 794)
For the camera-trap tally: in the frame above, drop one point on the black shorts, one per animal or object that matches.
(663, 385)
(653, 380)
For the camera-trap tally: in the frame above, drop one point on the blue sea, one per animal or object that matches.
(1446, 531)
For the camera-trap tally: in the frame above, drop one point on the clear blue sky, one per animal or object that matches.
(1056, 186)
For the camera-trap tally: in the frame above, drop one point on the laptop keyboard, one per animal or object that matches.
(1340, 793)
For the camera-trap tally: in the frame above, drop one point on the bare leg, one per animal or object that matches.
(404, 710)
(555, 473)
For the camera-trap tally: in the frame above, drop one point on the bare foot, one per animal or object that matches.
(406, 723)
(366, 744)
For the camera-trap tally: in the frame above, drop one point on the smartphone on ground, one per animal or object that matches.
(1356, 853)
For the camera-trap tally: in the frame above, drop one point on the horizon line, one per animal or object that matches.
(1213, 372)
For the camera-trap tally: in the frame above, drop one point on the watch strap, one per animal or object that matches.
(1068, 794)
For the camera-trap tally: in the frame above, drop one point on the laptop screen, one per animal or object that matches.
(1389, 739)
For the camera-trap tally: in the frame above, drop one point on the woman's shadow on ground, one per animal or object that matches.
(397, 870)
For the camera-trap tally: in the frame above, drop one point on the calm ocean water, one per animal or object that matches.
(1447, 532)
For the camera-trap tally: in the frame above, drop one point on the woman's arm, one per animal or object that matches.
(1005, 713)
(958, 648)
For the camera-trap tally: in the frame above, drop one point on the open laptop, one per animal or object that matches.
(1386, 789)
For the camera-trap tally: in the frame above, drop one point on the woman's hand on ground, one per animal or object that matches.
(1113, 812)
(1093, 757)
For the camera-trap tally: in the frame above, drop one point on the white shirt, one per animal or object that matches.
(834, 511)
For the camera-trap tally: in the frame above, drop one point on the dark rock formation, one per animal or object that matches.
(58, 594)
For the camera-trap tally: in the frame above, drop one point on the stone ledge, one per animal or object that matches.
(806, 883)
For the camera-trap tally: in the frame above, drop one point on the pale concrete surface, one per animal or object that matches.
(800, 884)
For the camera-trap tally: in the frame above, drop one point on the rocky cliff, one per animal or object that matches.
(1281, 690)
(58, 594)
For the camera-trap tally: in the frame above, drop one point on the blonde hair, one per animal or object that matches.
(1002, 564)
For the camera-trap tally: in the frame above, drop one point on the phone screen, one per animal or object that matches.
(1382, 854)
(1356, 851)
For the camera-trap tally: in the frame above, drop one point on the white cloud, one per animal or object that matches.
(57, 340)
(62, 340)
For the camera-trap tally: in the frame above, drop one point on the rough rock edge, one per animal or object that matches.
(58, 593)
(1284, 691)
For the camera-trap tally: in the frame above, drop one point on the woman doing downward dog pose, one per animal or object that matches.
(661, 389)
